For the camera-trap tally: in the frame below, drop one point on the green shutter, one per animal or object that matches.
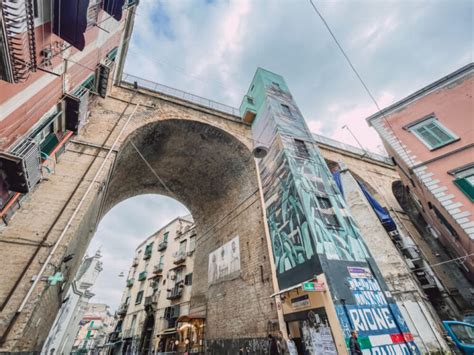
(433, 134)
(112, 54)
(48, 144)
(464, 185)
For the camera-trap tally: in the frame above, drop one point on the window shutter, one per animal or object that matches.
(465, 186)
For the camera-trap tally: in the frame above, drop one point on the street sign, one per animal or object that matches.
(314, 286)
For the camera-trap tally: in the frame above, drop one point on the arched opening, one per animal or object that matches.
(213, 174)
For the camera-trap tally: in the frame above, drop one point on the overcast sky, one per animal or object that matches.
(212, 48)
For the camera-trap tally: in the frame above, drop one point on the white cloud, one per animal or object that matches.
(212, 50)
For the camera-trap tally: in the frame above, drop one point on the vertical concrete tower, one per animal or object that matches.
(313, 236)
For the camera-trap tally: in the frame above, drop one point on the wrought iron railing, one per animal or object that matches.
(169, 91)
(18, 39)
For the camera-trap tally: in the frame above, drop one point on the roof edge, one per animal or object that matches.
(461, 72)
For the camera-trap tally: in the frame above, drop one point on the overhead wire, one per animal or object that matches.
(359, 77)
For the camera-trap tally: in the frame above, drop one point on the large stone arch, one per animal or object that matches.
(203, 157)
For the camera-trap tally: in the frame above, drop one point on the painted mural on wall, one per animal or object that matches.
(381, 327)
(312, 231)
(305, 210)
(224, 262)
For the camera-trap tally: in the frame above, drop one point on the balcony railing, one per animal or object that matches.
(163, 245)
(151, 300)
(142, 276)
(147, 254)
(179, 257)
(158, 269)
(176, 292)
(17, 30)
(122, 310)
(135, 262)
(166, 90)
(130, 282)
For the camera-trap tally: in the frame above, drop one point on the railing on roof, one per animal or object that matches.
(169, 91)
(351, 148)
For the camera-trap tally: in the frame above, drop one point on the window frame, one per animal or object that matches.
(415, 126)
(461, 180)
(139, 297)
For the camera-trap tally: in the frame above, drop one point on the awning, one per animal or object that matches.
(287, 290)
(114, 8)
(168, 331)
(178, 267)
(188, 317)
(70, 21)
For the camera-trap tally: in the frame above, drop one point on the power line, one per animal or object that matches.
(444, 262)
(358, 76)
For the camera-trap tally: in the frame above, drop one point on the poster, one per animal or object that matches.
(224, 262)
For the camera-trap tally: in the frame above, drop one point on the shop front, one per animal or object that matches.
(190, 331)
(310, 318)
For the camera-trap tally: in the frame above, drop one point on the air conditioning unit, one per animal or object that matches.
(21, 166)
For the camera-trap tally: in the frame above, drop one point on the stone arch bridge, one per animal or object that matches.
(139, 141)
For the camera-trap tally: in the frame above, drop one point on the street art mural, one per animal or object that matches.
(311, 229)
(224, 262)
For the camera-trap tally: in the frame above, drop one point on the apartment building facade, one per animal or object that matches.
(430, 137)
(157, 295)
(94, 327)
(56, 57)
(61, 336)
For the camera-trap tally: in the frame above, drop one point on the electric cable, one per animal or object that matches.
(359, 77)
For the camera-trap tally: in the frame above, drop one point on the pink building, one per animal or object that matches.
(55, 57)
(430, 137)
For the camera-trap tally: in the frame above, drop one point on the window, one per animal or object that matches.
(432, 133)
(165, 236)
(276, 84)
(188, 279)
(301, 149)
(250, 100)
(139, 298)
(445, 222)
(465, 180)
(326, 212)
(182, 247)
(286, 110)
(192, 243)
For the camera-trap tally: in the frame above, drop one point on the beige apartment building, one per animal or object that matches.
(157, 294)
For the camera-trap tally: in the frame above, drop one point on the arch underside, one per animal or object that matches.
(214, 175)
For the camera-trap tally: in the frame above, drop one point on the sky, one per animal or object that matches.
(212, 49)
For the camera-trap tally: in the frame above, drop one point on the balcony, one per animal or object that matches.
(135, 262)
(158, 269)
(17, 41)
(163, 245)
(176, 292)
(147, 254)
(151, 300)
(179, 257)
(127, 333)
(122, 310)
(142, 276)
(130, 282)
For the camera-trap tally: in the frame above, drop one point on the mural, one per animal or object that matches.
(224, 262)
(311, 229)
(305, 210)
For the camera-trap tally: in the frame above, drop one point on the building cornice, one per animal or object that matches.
(438, 84)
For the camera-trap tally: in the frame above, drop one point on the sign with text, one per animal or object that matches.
(314, 286)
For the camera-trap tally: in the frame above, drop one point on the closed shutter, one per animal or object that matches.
(465, 186)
